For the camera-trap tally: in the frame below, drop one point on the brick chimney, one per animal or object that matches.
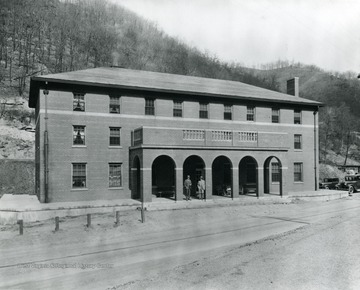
(292, 86)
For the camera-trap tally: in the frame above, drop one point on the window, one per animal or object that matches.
(298, 172)
(78, 135)
(177, 111)
(275, 115)
(114, 106)
(150, 107)
(115, 175)
(297, 142)
(203, 113)
(297, 117)
(79, 102)
(79, 175)
(250, 114)
(275, 172)
(114, 136)
(227, 112)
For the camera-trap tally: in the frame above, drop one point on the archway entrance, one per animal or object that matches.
(195, 167)
(273, 176)
(222, 177)
(136, 179)
(248, 176)
(163, 177)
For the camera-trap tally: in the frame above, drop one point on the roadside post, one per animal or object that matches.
(57, 224)
(142, 212)
(117, 218)
(88, 220)
(21, 227)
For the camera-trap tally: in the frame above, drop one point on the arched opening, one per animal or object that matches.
(194, 166)
(273, 176)
(248, 176)
(136, 178)
(163, 177)
(222, 177)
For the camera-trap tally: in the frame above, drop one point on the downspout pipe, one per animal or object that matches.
(315, 149)
(46, 147)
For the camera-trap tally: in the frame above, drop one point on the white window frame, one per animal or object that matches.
(250, 112)
(72, 176)
(79, 99)
(121, 174)
(73, 136)
(117, 145)
(301, 172)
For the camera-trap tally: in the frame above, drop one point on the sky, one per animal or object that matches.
(325, 33)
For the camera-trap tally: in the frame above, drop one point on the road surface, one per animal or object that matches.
(306, 246)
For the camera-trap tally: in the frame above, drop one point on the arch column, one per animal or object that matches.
(260, 187)
(284, 180)
(146, 192)
(179, 184)
(235, 182)
(208, 186)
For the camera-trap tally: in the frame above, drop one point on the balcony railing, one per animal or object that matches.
(153, 136)
(193, 134)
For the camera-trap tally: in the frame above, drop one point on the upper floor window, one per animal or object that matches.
(178, 109)
(275, 115)
(149, 107)
(114, 136)
(78, 135)
(298, 171)
(250, 113)
(227, 112)
(297, 116)
(203, 113)
(79, 102)
(78, 175)
(297, 141)
(115, 179)
(114, 106)
(275, 172)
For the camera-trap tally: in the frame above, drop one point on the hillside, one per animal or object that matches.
(41, 36)
(51, 36)
(331, 88)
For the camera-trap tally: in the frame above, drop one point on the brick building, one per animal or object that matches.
(112, 133)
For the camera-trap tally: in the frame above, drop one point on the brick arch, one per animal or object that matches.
(248, 175)
(222, 180)
(269, 175)
(163, 176)
(194, 165)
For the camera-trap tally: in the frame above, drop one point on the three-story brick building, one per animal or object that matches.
(112, 133)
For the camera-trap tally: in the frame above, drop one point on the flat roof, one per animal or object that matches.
(114, 77)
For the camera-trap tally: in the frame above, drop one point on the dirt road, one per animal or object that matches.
(299, 246)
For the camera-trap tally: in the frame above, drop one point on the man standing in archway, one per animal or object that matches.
(201, 187)
(187, 185)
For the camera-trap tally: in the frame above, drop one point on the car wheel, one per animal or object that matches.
(327, 187)
(351, 189)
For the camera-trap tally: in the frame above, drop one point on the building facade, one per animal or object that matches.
(112, 133)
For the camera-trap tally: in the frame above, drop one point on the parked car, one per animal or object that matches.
(341, 186)
(352, 182)
(329, 183)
